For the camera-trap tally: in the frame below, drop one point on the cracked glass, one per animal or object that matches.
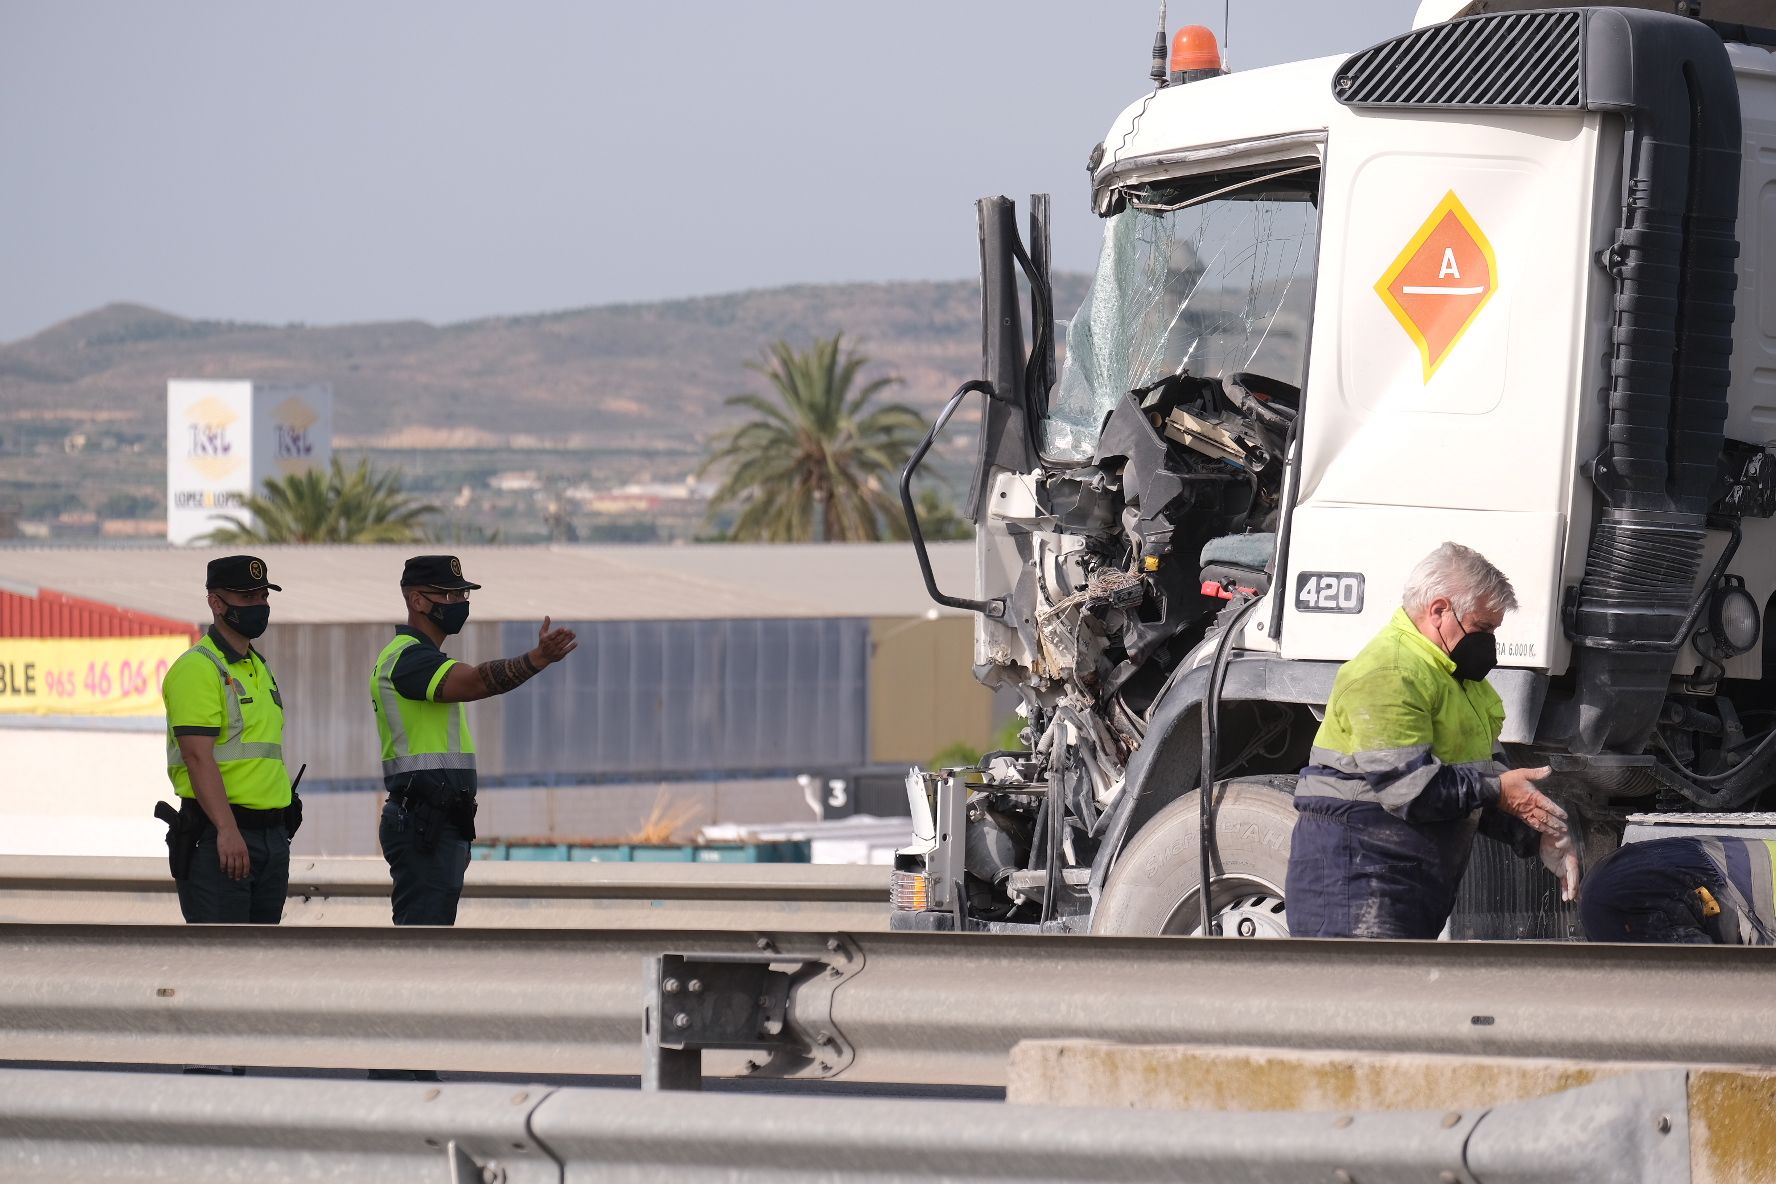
(1214, 288)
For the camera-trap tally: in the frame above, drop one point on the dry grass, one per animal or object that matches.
(664, 820)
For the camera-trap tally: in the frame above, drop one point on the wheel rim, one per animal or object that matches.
(1240, 906)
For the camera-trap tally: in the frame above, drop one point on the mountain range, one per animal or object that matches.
(603, 377)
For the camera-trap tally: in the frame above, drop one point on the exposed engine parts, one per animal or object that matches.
(1136, 556)
(1121, 546)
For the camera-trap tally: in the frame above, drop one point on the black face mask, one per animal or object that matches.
(248, 620)
(1474, 655)
(450, 617)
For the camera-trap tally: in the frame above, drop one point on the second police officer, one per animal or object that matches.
(428, 752)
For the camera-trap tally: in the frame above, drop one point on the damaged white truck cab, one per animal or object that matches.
(1500, 279)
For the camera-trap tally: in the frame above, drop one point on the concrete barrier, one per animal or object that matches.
(1731, 1115)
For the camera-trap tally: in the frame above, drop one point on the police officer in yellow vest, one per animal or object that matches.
(225, 755)
(428, 753)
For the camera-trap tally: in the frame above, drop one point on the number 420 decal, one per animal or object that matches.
(1329, 592)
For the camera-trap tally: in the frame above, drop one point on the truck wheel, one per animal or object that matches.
(1153, 887)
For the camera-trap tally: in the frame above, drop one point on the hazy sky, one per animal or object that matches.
(330, 161)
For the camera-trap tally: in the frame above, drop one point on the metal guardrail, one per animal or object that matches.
(894, 1007)
(122, 1128)
(497, 895)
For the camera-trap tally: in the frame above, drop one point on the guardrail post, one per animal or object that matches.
(666, 1062)
(743, 1001)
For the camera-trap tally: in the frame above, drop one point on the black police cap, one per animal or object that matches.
(238, 573)
(434, 571)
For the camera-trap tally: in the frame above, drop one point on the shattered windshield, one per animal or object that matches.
(1214, 288)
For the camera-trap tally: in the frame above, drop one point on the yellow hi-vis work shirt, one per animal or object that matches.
(212, 691)
(1401, 732)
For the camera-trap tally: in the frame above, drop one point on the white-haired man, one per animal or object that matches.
(1403, 771)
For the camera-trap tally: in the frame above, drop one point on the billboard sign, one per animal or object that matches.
(226, 439)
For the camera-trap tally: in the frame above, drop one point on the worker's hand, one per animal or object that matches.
(1519, 797)
(231, 853)
(1562, 859)
(552, 645)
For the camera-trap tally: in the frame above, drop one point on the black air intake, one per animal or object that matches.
(1670, 348)
(1519, 61)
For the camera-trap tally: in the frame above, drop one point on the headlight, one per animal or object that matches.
(909, 892)
(1733, 619)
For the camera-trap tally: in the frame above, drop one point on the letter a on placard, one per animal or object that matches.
(1449, 268)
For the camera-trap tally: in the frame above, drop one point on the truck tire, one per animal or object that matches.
(1152, 889)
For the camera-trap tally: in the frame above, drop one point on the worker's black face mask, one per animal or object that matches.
(1474, 655)
(450, 617)
(248, 620)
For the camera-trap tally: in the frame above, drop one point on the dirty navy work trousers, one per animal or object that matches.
(427, 883)
(1356, 870)
(207, 896)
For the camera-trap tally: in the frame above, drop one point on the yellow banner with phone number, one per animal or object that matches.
(100, 676)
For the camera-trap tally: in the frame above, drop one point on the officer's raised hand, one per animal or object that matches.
(553, 645)
(1518, 796)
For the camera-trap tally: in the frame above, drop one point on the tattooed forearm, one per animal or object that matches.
(506, 674)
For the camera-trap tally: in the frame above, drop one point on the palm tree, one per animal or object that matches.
(359, 506)
(818, 463)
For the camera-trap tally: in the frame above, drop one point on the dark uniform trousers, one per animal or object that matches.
(208, 896)
(427, 884)
(1356, 870)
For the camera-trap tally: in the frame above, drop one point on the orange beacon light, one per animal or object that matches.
(1195, 55)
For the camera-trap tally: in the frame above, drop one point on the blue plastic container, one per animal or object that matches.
(785, 851)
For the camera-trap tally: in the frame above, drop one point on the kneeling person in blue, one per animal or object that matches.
(1684, 890)
(1403, 772)
(428, 752)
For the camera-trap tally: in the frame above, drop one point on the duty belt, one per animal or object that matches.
(245, 817)
(249, 819)
(411, 795)
(455, 806)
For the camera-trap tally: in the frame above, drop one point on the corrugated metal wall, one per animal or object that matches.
(637, 700)
(663, 698)
(323, 672)
(54, 614)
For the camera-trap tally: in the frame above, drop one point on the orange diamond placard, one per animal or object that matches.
(1437, 286)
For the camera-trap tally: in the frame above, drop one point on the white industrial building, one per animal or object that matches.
(707, 679)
